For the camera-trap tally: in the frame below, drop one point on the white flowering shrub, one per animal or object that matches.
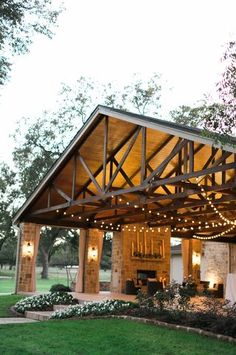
(43, 302)
(94, 309)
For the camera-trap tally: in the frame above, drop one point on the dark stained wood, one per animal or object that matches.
(156, 151)
(101, 182)
(109, 159)
(90, 173)
(105, 153)
(61, 193)
(191, 156)
(143, 154)
(130, 146)
(123, 173)
(49, 196)
(74, 176)
(179, 145)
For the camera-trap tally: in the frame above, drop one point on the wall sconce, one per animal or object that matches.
(196, 259)
(92, 254)
(28, 249)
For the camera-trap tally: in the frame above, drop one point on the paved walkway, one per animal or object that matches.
(16, 320)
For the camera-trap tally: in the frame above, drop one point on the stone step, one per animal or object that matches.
(38, 315)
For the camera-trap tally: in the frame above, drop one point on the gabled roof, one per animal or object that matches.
(90, 142)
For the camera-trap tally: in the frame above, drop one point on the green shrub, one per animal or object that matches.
(60, 288)
(43, 302)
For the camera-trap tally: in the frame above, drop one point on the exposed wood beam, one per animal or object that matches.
(49, 196)
(143, 155)
(74, 176)
(109, 159)
(215, 169)
(191, 156)
(105, 152)
(61, 193)
(158, 171)
(196, 150)
(130, 146)
(123, 173)
(90, 173)
(156, 151)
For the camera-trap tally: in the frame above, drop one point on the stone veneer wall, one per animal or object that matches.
(215, 262)
(94, 238)
(116, 265)
(124, 266)
(30, 232)
(232, 258)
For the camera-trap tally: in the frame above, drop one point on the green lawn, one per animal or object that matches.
(5, 304)
(56, 275)
(104, 337)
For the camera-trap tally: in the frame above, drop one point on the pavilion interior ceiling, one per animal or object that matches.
(121, 173)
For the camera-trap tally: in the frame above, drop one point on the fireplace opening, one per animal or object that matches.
(143, 275)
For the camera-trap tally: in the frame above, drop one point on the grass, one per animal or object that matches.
(104, 337)
(5, 304)
(56, 275)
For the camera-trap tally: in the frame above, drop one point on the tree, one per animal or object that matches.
(51, 240)
(218, 119)
(7, 198)
(19, 21)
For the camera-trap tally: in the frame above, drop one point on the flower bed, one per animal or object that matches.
(43, 302)
(173, 305)
(94, 309)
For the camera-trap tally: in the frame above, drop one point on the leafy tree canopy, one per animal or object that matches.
(216, 118)
(19, 21)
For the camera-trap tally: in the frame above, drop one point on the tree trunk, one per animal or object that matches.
(45, 264)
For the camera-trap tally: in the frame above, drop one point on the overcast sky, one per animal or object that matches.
(110, 40)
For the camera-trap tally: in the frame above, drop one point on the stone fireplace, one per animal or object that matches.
(139, 253)
(143, 275)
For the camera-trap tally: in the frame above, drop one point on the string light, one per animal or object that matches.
(226, 220)
(216, 235)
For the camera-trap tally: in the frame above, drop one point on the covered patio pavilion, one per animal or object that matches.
(145, 180)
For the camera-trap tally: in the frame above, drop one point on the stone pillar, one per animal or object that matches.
(30, 234)
(116, 257)
(232, 258)
(79, 287)
(92, 258)
(215, 262)
(196, 259)
(186, 246)
(191, 256)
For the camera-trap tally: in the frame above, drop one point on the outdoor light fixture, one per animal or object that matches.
(92, 254)
(196, 259)
(28, 249)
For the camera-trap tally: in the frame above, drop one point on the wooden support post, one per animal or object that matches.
(143, 155)
(74, 177)
(105, 153)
